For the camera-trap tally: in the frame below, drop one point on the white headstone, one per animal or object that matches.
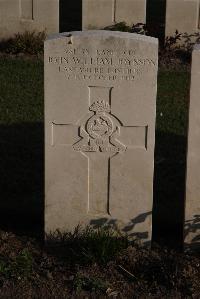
(97, 14)
(28, 15)
(100, 108)
(192, 205)
(182, 15)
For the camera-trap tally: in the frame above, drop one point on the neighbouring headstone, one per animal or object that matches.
(192, 204)
(100, 108)
(97, 14)
(28, 15)
(182, 15)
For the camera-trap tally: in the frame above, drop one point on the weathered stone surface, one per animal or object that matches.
(192, 205)
(97, 14)
(100, 102)
(182, 15)
(21, 15)
(130, 11)
(101, 13)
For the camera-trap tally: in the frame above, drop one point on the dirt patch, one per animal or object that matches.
(29, 270)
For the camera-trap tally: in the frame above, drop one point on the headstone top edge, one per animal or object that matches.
(104, 33)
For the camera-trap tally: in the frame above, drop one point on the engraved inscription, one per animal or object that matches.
(104, 64)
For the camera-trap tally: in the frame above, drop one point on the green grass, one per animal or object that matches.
(172, 102)
(21, 91)
(88, 245)
(20, 265)
(22, 143)
(82, 282)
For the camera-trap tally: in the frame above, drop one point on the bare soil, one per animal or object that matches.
(28, 269)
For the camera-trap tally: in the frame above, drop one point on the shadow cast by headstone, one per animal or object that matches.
(22, 182)
(130, 229)
(70, 15)
(169, 189)
(155, 19)
(192, 234)
(100, 240)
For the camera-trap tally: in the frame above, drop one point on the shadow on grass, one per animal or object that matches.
(22, 183)
(169, 189)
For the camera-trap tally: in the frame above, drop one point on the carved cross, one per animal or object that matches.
(101, 136)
